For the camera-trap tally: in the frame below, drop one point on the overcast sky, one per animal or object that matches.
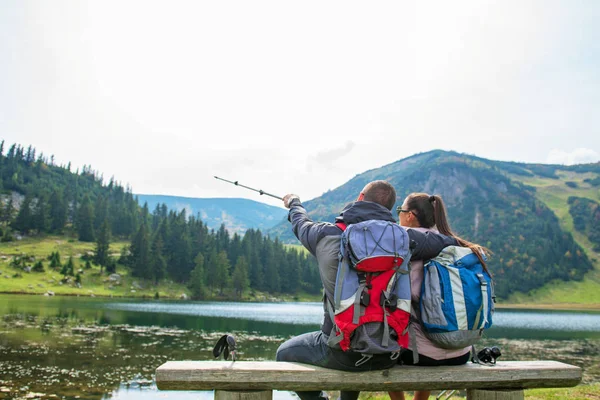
(295, 96)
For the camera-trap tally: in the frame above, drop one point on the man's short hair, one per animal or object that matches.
(380, 192)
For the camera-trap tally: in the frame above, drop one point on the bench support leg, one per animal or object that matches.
(476, 394)
(243, 395)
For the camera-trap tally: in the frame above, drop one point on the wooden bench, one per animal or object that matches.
(255, 380)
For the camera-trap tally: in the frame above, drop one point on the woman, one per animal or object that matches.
(424, 212)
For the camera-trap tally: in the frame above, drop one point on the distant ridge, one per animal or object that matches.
(237, 214)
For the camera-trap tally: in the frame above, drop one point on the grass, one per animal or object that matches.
(298, 247)
(555, 194)
(579, 392)
(14, 280)
(576, 393)
(572, 293)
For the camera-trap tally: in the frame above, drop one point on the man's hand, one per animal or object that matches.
(287, 199)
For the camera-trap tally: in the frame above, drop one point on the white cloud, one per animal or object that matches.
(577, 156)
(330, 156)
(294, 98)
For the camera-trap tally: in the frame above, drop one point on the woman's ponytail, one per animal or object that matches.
(440, 216)
(430, 211)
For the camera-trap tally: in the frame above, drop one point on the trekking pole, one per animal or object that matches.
(256, 190)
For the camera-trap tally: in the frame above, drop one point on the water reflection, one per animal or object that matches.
(272, 318)
(101, 348)
(291, 313)
(548, 320)
(286, 318)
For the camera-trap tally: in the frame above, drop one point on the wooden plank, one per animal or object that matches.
(271, 375)
(474, 394)
(244, 395)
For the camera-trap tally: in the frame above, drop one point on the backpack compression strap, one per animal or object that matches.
(484, 306)
(361, 288)
(336, 336)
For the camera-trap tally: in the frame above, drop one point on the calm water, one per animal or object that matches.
(91, 348)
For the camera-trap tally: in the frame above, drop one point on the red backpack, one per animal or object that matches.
(372, 299)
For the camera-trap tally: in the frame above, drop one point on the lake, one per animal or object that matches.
(97, 348)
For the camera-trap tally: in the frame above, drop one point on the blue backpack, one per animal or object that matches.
(457, 298)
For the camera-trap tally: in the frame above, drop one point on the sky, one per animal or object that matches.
(295, 97)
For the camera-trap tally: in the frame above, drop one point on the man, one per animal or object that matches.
(322, 239)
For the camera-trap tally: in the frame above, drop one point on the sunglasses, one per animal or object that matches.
(400, 210)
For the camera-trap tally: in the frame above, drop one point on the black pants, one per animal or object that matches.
(311, 348)
(406, 358)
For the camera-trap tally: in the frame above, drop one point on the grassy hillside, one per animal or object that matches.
(554, 192)
(15, 280)
(18, 281)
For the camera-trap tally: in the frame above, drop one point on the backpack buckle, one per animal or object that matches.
(363, 359)
(389, 300)
(365, 298)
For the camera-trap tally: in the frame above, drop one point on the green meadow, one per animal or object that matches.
(555, 194)
(93, 282)
(13, 280)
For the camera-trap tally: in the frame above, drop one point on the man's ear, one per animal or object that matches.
(361, 197)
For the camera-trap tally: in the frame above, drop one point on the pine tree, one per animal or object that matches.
(210, 268)
(85, 221)
(196, 283)
(240, 279)
(222, 267)
(111, 266)
(140, 253)
(68, 269)
(101, 252)
(41, 218)
(272, 282)
(71, 266)
(178, 246)
(158, 264)
(222, 239)
(23, 222)
(235, 248)
(100, 212)
(289, 263)
(38, 267)
(55, 260)
(251, 244)
(58, 211)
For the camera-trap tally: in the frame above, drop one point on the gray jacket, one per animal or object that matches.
(322, 239)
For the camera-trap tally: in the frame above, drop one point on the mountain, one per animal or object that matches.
(238, 215)
(520, 212)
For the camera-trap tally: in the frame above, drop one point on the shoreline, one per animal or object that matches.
(558, 306)
(524, 306)
(151, 297)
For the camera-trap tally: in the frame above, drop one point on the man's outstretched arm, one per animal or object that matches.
(429, 244)
(308, 232)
